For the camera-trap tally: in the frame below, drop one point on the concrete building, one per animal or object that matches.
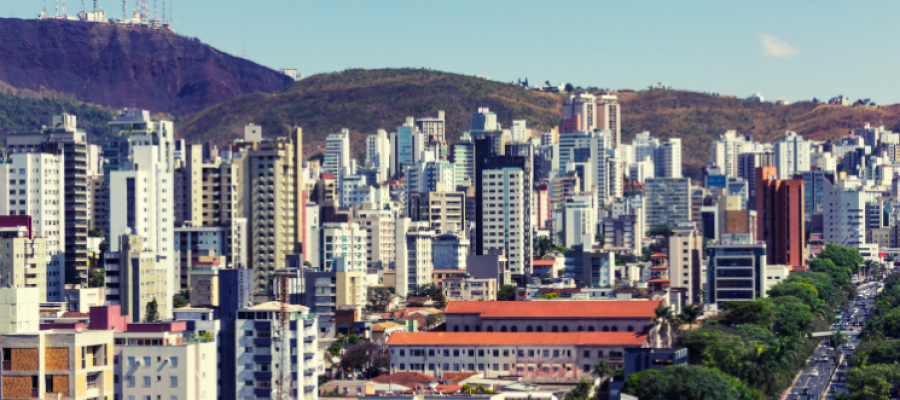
(337, 154)
(414, 258)
(492, 265)
(747, 165)
(450, 252)
(668, 159)
(644, 146)
(158, 360)
(35, 186)
(844, 212)
(725, 152)
(484, 120)
(469, 289)
(380, 231)
(193, 242)
(462, 155)
(81, 299)
(271, 350)
(345, 240)
(579, 220)
(589, 266)
(378, 154)
(272, 201)
(444, 211)
(204, 281)
(736, 271)
(326, 291)
(668, 201)
(503, 210)
(584, 105)
(781, 218)
(791, 155)
(609, 117)
(23, 260)
(519, 130)
(407, 144)
(686, 269)
(624, 232)
(39, 364)
(63, 137)
(432, 128)
(551, 355)
(135, 277)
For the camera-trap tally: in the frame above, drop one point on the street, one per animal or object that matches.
(816, 377)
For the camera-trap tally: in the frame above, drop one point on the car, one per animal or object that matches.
(815, 372)
(804, 391)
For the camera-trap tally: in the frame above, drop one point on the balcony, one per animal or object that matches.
(309, 339)
(308, 356)
(309, 372)
(309, 388)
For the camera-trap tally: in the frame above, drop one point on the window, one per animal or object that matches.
(587, 354)
(456, 353)
(248, 333)
(174, 362)
(173, 381)
(481, 367)
(130, 361)
(480, 352)
(506, 353)
(92, 380)
(146, 361)
(146, 381)
(587, 368)
(431, 352)
(130, 380)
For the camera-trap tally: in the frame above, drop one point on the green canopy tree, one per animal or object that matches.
(151, 313)
(506, 293)
(690, 383)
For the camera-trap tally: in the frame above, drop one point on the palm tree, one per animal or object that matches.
(602, 368)
(690, 314)
(543, 245)
(870, 265)
(663, 316)
(702, 295)
(760, 366)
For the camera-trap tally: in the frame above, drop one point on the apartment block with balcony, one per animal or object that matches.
(204, 281)
(272, 348)
(23, 260)
(468, 288)
(445, 211)
(135, 277)
(380, 242)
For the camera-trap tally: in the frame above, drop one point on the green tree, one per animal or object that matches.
(582, 391)
(542, 245)
(691, 383)
(178, 301)
(94, 233)
(434, 319)
(890, 323)
(634, 381)
(353, 339)
(151, 312)
(748, 312)
(663, 317)
(334, 349)
(506, 293)
(600, 239)
(602, 368)
(440, 300)
(569, 87)
(689, 314)
(380, 298)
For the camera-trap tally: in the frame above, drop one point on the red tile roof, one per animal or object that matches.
(555, 309)
(447, 388)
(660, 267)
(408, 379)
(659, 281)
(659, 255)
(457, 376)
(632, 339)
(543, 263)
(73, 314)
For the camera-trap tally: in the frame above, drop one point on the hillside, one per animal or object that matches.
(366, 100)
(24, 114)
(118, 67)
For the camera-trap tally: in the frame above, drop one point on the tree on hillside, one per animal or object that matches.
(569, 87)
(151, 313)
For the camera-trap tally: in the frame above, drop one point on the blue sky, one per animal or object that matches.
(797, 49)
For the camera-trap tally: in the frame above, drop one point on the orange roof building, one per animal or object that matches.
(550, 316)
(496, 354)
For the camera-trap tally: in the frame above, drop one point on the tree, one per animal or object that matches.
(569, 87)
(690, 314)
(367, 357)
(663, 316)
(689, 383)
(600, 239)
(353, 339)
(178, 301)
(836, 339)
(381, 298)
(426, 290)
(434, 319)
(151, 313)
(748, 312)
(97, 279)
(542, 245)
(415, 304)
(506, 293)
(334, 349)
(440, 300)
(602, 368)
(550, 295)
(580, 392)
(94, 233)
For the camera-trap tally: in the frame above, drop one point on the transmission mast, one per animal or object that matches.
(285, 380)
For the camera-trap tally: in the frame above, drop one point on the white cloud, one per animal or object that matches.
(775, 47)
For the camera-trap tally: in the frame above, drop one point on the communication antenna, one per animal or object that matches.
(82, 7)
(124, 9)
(285, 380)
(155, 20)
(64, 7)
(95, 5)
(57, 8)
(164, 21)
(45, 8)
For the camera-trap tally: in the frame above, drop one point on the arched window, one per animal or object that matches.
(514, 329)
(477, 328)
(456, 328)
(529, 329)
(630, 328)
(565, 328)
(590, 329)
(466, 328)
(554, 329)
(539, 329)
(605, 328)
(503, 328)
(580, 328)
(490, 328)
(615, 329)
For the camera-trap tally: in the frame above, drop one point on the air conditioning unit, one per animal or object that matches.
(137, 363)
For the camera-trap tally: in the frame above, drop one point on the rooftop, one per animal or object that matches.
(568, 309)
(276, 306)
(543, 263)
(633, 339)
(408, 379)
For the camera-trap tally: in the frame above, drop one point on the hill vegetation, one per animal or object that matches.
(24, 114)
(115, 66)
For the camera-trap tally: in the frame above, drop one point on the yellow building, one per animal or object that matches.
(204, 275)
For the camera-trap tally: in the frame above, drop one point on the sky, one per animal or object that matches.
(797, 50)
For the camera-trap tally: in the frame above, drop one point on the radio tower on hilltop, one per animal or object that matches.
(155, 20)
(124, 10)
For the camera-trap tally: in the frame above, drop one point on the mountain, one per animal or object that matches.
(28, 114)
(366, 100)
(116, 66)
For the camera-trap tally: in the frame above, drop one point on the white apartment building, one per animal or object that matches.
(844, 210)
(549, 354)
(585, 105)
(639, 171)
(450, 251)
(380, 230)
(483, 120)
(337, 153)
(504, 208)
(339, 239)
(791, 155)
(426, 174)
(23, 261)
(725, 152)
(378, 154)
(519, 130)
(35, 185)
(686, 267)
(668, 159)
(414, 255)
(667, 201)
(644, 146)
(579, 220)
(269, 352)
(157, 360)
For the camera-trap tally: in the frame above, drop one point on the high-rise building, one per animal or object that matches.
(579, 220)
(345, 240)
(780, 217)
(583, 105)
(668, 201)
(64, 137)
(462, 155)
(25, 259)
(337, 153)
(686, 269)
(791, 155)
(668, 159)
(844, 211)
(814, 189)
(444, 210)
(35, 187)
(378, 154)
(380, 230)
(725, 152)
(519, 131)
(503, 213)
(736, 271)
(484, 120)
(135, 277)
(428, 174)
(609, 117)
(270, 180)
(407, 145)
(432, 128)
(414, 259)
(644, 146)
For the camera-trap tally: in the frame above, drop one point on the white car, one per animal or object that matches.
(814, 372)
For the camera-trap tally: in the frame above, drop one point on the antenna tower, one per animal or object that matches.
(285, 379)
(64, 7)
(164, 21)
(57, 8)
(124, 10)
(45, 8)
(82, 7)
(155, 20)
(95, 5)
